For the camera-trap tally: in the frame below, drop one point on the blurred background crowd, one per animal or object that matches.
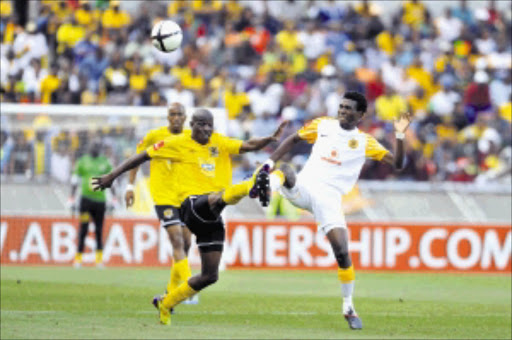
(265, 61)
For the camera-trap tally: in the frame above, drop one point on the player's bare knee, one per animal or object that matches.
(289, 175)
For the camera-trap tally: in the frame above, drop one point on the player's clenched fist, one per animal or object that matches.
(101, 183)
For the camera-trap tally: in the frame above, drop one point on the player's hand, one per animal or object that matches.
(401, 124)
(279, 131)
(129, 197)
(102, 182)
(71, 204)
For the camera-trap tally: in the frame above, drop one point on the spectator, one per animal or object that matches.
(94, 67)
(449, 27)
(349, 60)
(30, 44)
(390, 105)
(477, 97)
(114, 18)
(61, 164)
(180, 95)
(21, 156)
(49, 86)
(33, 77)
(443, 102)
(500, 88)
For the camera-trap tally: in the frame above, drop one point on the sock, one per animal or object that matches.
(234, 193)
(99, 256)
(180, 272)
(347, 278)
(183, 292)
(276, 180)
(78, 257)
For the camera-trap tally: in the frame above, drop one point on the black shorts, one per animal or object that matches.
(90, 208)
(168, 215)
(209, 229)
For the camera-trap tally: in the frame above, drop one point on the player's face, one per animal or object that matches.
(202, 129)
(176, 120)
(348, 115)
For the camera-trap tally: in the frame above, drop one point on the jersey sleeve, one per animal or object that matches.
(164, 149)
(374, 150)
(309, 132)
(231, 145)
(145, 142)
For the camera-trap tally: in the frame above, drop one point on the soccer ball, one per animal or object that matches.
(166, 35)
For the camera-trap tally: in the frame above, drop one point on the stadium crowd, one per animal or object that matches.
(265, 61)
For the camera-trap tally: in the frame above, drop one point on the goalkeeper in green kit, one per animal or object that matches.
(92, 203)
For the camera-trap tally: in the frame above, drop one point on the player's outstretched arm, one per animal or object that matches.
(401, 125)
(285, 147)
(105, 181)
(255, 144)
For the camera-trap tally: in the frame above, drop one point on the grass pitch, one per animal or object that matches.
(49, 302)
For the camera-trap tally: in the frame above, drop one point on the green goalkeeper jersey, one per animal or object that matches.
(87, 167)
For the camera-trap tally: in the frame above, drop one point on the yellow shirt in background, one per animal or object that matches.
(200, 169)
(390, 108)
(5, 9)
(418, 104)
(506, 111)
(111, 19)
(235, 102)
(414, 13)
(49, 85)
(68, 35)
(138, 82)
(288, 41)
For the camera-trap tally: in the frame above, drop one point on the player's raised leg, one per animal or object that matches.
(338, 237)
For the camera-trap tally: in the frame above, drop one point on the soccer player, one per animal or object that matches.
(164, 190)
(92, 203)
(203, 171)
(338, 153)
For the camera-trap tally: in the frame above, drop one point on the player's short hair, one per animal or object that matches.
(359, 98)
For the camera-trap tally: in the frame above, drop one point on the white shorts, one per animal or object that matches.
(324, 202)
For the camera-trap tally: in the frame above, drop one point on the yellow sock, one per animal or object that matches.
(346, 275)
(180, 272)
(234, 193)
(99, 256)
(183, 292)
(78, 257)
(185, 272)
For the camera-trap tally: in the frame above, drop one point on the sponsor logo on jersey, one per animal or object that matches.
(158, 145)
(353, 143)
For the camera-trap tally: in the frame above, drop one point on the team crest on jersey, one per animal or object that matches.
(214, 151)
(158, 145)
(168, 213)
(353, 143)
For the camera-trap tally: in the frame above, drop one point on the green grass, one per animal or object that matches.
(48, 302)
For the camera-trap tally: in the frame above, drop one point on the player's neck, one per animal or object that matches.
(347, 127)
(174, 132)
